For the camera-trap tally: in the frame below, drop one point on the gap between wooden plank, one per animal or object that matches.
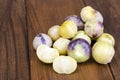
(27, 37)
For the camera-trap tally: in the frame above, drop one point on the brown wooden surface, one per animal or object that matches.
(21, 20)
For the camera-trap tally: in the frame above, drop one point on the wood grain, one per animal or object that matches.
(22, 20)
(14, 63)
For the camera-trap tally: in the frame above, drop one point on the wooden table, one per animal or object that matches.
(21, 20)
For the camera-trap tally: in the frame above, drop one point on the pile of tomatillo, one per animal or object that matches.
(70, 43)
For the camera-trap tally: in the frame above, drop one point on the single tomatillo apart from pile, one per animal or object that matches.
(64, 65)
(94, 28)
(77, 20)
(83, 35)
(42, 38)
(53, 32)
(61, 45)
(103, 52)
(79, 49)
(46, 54)
(68, 29)
(108, 38)
(88, 13)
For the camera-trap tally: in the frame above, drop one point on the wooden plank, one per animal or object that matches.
(13, 40)
(3, 56)
(110, 11)
(43, 14)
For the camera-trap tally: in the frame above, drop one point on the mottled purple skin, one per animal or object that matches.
(85, 45)
(42, 38)
(99, 26)
(100, 23)
(77, 20)
(96, 30)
